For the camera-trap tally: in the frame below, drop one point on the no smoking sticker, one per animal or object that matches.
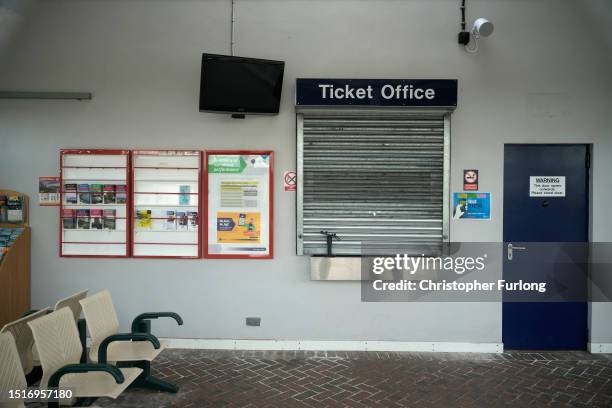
(470, 180)
(290, 180)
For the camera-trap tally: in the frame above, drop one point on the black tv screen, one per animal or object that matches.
(240, 85)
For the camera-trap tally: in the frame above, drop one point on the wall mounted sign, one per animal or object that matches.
(376, 92)
(49, 190)
(547, 186)
(470, 180)
(290, 181)
(239, 204)
(476, 206)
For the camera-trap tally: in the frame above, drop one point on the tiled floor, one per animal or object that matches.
(355, 379)
(375, 379)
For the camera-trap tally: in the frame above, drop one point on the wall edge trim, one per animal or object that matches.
(334, 345)
(599, 348)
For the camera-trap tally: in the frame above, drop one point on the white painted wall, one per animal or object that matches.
(141, 59)
(11, 16)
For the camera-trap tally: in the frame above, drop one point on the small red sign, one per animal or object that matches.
(290, 181)
(470, 180)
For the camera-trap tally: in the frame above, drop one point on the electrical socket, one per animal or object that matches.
(253, 321)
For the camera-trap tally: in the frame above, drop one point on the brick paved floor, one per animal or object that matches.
(371, 379)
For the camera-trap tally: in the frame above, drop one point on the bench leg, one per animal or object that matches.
(146, 380)
(153, 383)
(34, 376)
(82, 326)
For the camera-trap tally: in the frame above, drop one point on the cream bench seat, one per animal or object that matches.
(24, 341)
(72, 302)
(135, 349)
(59, 350)
(11, 370)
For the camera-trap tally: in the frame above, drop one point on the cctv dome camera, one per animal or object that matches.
(482, 27)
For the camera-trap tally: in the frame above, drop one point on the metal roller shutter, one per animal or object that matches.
(376, 180)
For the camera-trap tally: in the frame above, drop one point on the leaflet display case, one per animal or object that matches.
(95, 203)
(14, 256)
(167, 209)
(239, 204)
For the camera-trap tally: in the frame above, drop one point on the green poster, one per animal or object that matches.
(226, 164)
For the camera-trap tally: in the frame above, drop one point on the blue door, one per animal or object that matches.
(546, 215)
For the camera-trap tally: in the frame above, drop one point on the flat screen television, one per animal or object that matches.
(240, 85)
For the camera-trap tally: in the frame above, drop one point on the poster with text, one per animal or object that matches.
(49, 190)
(239, 208)
(238, 228)
(475, 206)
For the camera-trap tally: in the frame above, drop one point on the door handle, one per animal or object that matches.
(512, 248)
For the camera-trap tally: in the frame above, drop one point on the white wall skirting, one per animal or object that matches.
(322, 345)
(597, 348)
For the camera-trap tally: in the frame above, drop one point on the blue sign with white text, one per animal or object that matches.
(475, 206)
(376, 92)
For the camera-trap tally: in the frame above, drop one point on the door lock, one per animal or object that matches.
(512, 248)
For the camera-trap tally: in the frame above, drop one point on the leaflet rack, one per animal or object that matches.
(15, 263)
(167, 209)
(95, 202)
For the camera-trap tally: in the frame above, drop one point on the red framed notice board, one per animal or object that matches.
(167, 209)
(239, 204)
(94, 203)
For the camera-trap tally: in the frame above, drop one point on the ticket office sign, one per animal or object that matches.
(376, 92)
(239, 205)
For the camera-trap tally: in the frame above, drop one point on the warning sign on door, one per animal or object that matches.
(546, 186)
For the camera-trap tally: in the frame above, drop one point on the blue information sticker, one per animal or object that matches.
(475, 206)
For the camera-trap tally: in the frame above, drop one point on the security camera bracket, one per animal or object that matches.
(463, 38)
